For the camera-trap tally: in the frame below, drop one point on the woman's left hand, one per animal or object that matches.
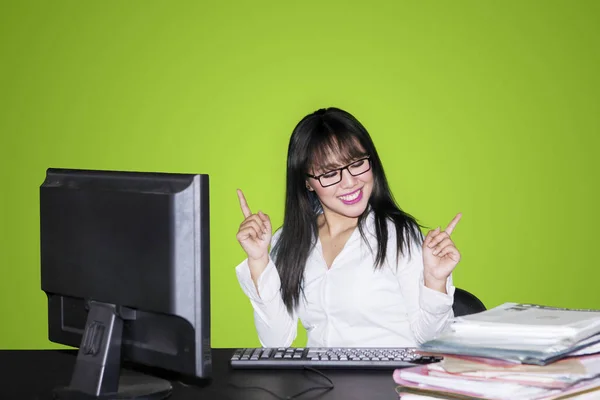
(440, 256)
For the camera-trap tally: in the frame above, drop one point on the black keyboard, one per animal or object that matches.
(329, 357)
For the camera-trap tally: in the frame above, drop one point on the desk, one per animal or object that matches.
(32, 374)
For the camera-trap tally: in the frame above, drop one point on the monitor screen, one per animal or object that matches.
(125, 260)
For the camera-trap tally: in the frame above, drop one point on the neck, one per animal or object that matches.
(335, 224)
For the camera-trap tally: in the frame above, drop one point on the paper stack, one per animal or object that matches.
(525, 333)
(469, 378)
(511, 352)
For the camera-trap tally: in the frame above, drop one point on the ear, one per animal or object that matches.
(310, 188)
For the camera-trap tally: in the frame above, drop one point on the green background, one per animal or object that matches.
(489, 108)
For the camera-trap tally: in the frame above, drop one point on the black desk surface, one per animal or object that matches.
(32, 374)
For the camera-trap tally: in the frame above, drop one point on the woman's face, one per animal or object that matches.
(350, 196)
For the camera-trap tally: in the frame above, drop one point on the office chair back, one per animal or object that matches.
(466, 303)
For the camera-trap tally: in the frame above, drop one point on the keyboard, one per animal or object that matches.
(290, 357)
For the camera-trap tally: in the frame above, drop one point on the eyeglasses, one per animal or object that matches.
(332, 177)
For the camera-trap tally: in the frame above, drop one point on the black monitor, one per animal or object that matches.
(125, 266)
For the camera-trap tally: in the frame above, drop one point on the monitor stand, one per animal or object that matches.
(97, 374)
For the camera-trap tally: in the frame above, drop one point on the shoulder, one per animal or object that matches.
(410, 236)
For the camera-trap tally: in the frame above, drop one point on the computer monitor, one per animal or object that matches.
(125, 260)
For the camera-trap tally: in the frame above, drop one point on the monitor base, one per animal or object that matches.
(98, 374)
(132, 386)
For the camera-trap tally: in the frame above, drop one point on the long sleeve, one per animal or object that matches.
(274, 324)
(429, 311)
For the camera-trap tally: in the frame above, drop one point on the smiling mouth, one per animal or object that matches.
(352, 198)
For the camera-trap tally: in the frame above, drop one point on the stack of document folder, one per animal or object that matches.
(514, 351)
(466, 378)
(525, 333)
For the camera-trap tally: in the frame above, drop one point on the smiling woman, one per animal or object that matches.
(490, 108)
(348, 262)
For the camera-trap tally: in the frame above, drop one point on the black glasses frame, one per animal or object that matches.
(341, 169)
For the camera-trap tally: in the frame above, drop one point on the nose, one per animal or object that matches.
(348, 180)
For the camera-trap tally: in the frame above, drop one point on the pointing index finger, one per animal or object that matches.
(453, 224)
(243, 204)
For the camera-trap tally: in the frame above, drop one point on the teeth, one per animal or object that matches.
(350, 197)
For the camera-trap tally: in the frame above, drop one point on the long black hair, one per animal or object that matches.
(316, 139)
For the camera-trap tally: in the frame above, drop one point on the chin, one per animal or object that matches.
(355, 210)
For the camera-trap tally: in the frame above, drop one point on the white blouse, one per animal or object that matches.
(351, 304)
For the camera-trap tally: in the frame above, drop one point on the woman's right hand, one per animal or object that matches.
(254, 235)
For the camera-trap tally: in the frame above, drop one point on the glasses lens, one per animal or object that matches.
(331, 178)
(359, 167)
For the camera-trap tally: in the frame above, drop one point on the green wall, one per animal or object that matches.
(487, 108)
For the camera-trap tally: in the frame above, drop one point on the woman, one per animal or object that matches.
(347, 261)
